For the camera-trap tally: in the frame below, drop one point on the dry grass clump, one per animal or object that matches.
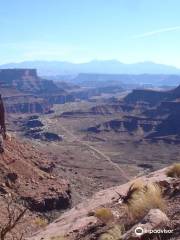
(113, 233)
(174, 171)
(40, 222)
(143, 197)
(58, 238)
(104, 214)
(135, 187)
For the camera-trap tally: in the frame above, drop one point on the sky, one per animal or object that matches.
(83, 30)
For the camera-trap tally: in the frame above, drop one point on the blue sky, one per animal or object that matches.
(81, 30)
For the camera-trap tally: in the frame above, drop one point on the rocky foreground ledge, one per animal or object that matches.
(83, 222)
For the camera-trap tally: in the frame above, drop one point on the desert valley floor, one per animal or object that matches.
(95, 161)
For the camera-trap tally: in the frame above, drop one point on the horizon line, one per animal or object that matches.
(92, 60)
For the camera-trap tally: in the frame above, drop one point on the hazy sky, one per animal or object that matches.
(82, 30)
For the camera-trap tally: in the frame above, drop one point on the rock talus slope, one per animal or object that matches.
(21, 174)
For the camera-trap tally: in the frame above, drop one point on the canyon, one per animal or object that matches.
(25, 92)
(74, 147)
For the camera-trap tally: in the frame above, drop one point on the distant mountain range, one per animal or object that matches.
(52, 68)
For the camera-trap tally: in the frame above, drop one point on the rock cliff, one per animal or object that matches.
(24, 91)
(21, 89)
(26, 104)
(151, 96)
(25, 80)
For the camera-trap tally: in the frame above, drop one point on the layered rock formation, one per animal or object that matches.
(148, 114)
(26, 104)
(103, 110)
(20, 89)
(166, 108)
(25, 80)
(127, 124)
(151, 96)
(24, 91)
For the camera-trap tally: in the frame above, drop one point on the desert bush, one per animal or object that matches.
(174, 171)
(40, 222)
(15, 214)
(113, 233)
(58, 238)
(142, 198)
(135, 187)
(104, 214)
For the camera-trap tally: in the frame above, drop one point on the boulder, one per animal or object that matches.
(154, 220)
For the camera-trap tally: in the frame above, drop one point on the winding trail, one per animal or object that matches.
(107, 158)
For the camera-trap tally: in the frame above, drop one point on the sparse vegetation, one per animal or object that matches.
(135, 187)
(141, 198)
(58, 238)
(113, 233)
(104, 214)
(174, 171)
(41, 222)
(15, 214)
